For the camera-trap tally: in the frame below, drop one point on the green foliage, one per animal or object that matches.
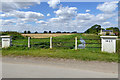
(94, 29)
(15, 35)
(36, 32)
(25, 32)
(115, 29)
(107, 33)
(82, 54)
(118, 46)
(40, 48)
(29, 32)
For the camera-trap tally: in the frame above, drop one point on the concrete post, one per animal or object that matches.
(75, 43)
(6, 41)
(50, 42)
(108, 43)
(28, 42)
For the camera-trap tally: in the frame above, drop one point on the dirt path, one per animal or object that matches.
(68, 63)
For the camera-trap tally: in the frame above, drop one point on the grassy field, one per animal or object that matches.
(82, 54)
(47, 35)
(63, 41)
(118, 46)
(40, 48)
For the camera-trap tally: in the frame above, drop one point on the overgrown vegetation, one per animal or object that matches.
(82, 54)
(15, 35)
(40, 48)
(95, 29)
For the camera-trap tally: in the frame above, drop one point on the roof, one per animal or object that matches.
(107, 30)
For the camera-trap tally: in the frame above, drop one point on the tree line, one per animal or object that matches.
(28, 32)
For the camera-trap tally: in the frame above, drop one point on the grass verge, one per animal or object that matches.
(82, 54)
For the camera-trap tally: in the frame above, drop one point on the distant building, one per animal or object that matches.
(106, 32)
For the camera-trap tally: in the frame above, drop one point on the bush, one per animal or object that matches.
(58, 32)
(107, 33)
(45, 31)
(36, 32)
(74, 32)
(29, 32)
(25, 32)
(15, 35)
(49, 31)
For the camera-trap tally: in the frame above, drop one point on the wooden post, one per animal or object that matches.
(75, 43)
(28, 42)
(50, 42)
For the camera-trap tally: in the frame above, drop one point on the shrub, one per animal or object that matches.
(107, 33)
(45, 31)
(15, 35)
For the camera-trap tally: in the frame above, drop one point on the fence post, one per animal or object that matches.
(6, 41)
(108, 43)
(28, 42)
(50, 42)
(75, 43)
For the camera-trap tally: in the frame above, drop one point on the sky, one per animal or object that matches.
(55, 15)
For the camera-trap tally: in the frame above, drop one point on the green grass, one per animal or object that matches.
(40, 48)
(82, 54)
(118, 46)
(59, 42)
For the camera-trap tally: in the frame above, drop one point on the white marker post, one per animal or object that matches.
(108, 43)
(50, 42)
(6, 41)
(75, 43)
(28, 42)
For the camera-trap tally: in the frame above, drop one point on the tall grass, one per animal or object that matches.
(83, 54)
(40, 48)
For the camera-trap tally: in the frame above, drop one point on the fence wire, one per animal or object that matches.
(68, 43)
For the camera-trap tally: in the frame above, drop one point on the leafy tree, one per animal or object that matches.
(74, 32)
(45, 31)
(95, 29)
(64, 32)
(29, 32)
(58, 32)
(115, 29)
(107, 33)
(25, 32)
(49, 31)
(36, 32)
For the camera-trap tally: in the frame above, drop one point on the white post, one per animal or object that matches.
(75, 43)
(50, 42)
(6, 41)
(28, 42)
(108, 43)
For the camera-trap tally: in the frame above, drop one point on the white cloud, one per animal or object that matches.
(28, 14)
(66, 19)
(85, 16)
(13, 5)
(53, 3)
(104, 17)
(8, 22)
(54, 20)
(24, 16)
(48, 14)
(64, 14)
(106, 23)
(87, 10)
(41, 22)
(108, 7)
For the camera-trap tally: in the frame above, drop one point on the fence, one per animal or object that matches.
(52, 42)
(108, 43)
